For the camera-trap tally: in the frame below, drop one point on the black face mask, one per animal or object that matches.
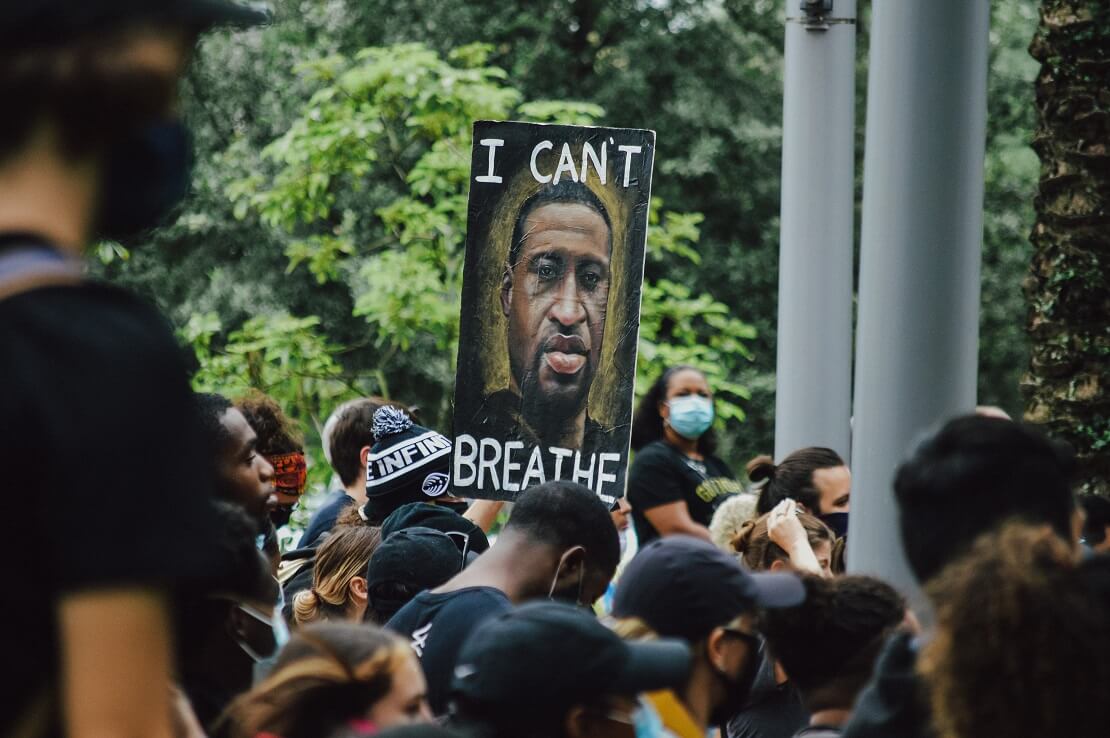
(837, 521)
(147, 172)
(280, 515)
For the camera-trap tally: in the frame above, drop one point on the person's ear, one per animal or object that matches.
(577, 723)
(663, 409)
(357, 590)
(506, 290)
(571, 565)
(779, 566)
(716, 649)
(364, 456)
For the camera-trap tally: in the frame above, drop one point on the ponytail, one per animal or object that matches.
(761, 469)
(306, 607)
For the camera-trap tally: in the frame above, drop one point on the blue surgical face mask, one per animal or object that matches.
(691, 415)
(647, 723)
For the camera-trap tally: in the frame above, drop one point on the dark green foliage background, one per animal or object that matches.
(706, 75)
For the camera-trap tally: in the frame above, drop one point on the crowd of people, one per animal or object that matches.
(149, 595)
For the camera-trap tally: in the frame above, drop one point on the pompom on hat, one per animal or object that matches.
(407, 463)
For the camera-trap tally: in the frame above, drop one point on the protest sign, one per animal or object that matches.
(556, 230)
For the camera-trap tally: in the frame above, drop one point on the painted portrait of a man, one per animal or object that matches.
(554, 256)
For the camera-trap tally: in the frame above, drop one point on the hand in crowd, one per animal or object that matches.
(784, 529)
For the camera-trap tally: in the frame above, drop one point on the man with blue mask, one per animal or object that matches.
(91, 146)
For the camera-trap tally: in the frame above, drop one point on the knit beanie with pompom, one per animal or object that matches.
(407, 463)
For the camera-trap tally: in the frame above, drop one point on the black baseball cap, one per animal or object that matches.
(551, 656)
(684, 587)
(28, 23)
(467, 536)
(416, 558)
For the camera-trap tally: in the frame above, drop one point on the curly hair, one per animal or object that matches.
(328, 675)
(758, 551)
(342, 556)
(828, 644)
(729, 517)
(1022, 639)
(647, 423)
(277, 433)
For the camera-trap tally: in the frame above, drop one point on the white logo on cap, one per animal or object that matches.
(435, 484)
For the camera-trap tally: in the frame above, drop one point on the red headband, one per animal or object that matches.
(290, 472)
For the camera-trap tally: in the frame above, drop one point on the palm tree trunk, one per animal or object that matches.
(1067, 389)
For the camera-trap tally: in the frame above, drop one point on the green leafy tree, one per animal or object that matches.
(366, 192)
(706, 75)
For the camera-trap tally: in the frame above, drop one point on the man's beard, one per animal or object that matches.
(547, 416)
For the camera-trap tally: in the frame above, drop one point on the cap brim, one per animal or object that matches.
(652, 665)
(778, 590)
(208, 13)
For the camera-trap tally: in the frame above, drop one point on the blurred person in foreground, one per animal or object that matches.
(1022, 644)
(334, 678)
(963, 480)
(91, 146)
(828, 644)
(550, 670)
(559, 543)
(683, 587)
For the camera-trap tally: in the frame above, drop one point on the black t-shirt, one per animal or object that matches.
(773, 710)
(661, 474)
(105, 477)
(323, 520)
(437, 626)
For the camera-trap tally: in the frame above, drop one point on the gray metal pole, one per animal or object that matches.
(918, 330)
(814, 375)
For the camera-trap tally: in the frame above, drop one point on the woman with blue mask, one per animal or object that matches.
(676, 482)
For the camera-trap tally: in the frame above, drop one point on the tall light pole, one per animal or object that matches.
(922, 228)
(814, 373)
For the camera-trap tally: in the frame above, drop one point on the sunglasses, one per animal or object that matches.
(751, 639)
(464, 547)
